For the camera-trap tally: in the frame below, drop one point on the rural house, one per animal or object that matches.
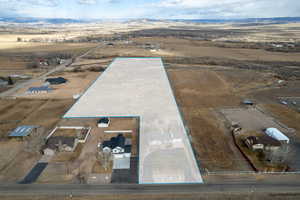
(60, 143)
(116, 145)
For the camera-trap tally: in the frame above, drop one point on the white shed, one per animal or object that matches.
(276, 134)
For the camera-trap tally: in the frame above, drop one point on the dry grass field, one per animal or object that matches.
(199, 93)
(17, 112)
(206, 75)
(77, 83)
(15, 160)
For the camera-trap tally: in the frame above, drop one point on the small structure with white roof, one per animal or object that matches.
(278, 135)
(103, 122)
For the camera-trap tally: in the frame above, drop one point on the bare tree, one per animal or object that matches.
(278, 156)
(36, 140)
(104, 158)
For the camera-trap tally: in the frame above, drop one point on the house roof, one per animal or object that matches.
(104, 120)
(42, 88)
(264, 139)
(249, 102)
(58, 80)
(127, 148)
(114, 142)
(53, 142)
(22, 131)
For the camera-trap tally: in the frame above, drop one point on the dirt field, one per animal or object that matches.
(31, 112)
(192, 48)
(16, 162)
(252, 119)
(199, 93)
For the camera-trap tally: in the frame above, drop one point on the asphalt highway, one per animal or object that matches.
(134, 189)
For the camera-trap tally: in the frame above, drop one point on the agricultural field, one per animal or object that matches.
(21, 158)
(210, 67)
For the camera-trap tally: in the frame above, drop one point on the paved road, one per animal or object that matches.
(40, 189)
(13, 90)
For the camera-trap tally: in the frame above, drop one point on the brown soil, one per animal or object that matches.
(198, 93)
(286, 115)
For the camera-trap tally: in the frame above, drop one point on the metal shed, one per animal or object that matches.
(22, 131)
(276, 134)
(42, 89)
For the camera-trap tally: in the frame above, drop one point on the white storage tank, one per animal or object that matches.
(277, 134)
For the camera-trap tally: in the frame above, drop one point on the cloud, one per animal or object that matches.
(88, 2)
(230, 8)
(16, 3)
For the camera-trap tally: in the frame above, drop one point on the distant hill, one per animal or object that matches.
(247, 20)
(39, 20)
(64, 20)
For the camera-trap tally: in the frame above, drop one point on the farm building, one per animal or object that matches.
(56, 81)
(39, 90)
(103, 122)
(278, 135)
(263, 142)
(248, 102)
(23, 131)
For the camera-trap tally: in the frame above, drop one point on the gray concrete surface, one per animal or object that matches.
(140, 87)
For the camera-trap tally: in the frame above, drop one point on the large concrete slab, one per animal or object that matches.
(140, 87)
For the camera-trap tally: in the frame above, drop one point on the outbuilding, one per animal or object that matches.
(278, 135)
(39, 90)
(103, 122)
(263, 142)
(23, 131)
(56, 81)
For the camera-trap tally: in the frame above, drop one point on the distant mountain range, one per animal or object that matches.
(64, 20)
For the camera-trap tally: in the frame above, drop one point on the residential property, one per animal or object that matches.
(139, 87)
(277, 134)
(65, 139)
(115, 145)
(263, 142)
(23, 131)
(120, 147)
(103, 122)
(60, 143)
(56, 81)
(39, 90)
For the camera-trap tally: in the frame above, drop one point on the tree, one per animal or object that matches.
(10, 81)
(19, 39)
(278, 156)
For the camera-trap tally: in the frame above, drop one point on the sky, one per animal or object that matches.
(154, 9)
